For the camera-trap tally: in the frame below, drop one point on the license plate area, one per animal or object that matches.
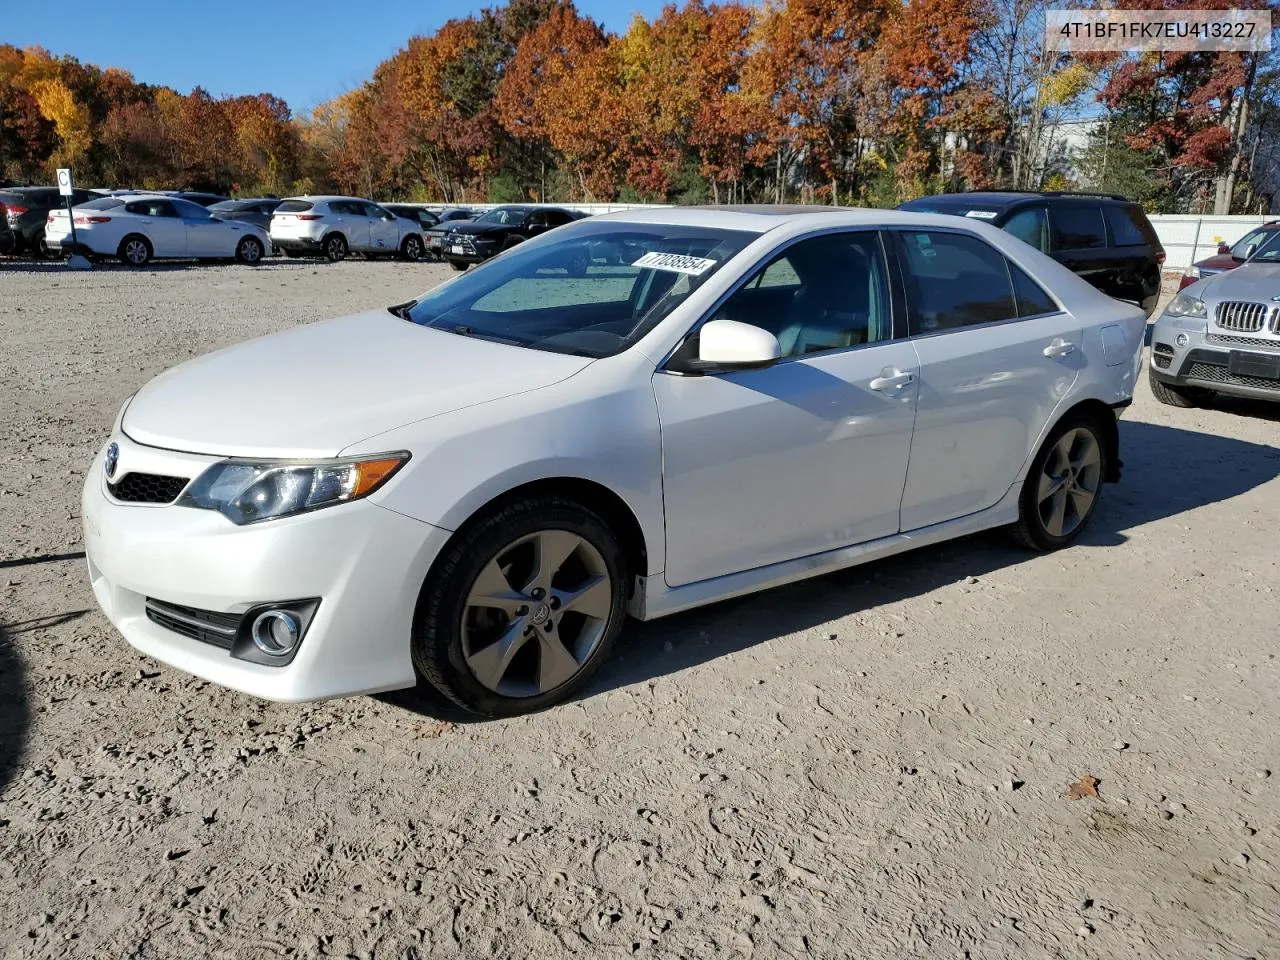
(457, 248)
(1242, 364)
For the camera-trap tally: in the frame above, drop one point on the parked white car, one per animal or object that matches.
(332, 227)
(140, 228)
(477, 487)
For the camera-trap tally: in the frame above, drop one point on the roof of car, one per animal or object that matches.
(762, 218)
(1006, 198)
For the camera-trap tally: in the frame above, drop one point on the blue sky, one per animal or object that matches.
(305, 52)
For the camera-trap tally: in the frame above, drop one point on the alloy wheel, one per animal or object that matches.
(135, 251)
(1069, 482)
(536, 613)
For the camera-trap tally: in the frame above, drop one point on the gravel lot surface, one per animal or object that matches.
(872, 764)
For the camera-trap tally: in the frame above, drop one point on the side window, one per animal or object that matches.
(1125, 228)
(1030, 226)
(955, 280)
(538, 219)
(191, 211)
(343, 208)
(1078, 227)
(1032, 300)
(557, 218)
(836, 295)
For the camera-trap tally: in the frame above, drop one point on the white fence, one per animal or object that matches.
(1186, 237)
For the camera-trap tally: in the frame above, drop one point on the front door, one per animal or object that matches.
(809, 454)
(206, 237)
(384, 231)
(996, 353)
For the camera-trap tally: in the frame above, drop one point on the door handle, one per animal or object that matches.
(1058, 348)
(891, 378)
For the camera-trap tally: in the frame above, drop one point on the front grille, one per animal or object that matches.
(1216, 374)
(147, 488)
(1241, 315)
(1229, 340)
(218, 629)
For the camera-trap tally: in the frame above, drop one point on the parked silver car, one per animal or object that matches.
(1221, 335)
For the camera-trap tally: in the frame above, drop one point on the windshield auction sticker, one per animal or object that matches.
(694, 266)
(1115, 31)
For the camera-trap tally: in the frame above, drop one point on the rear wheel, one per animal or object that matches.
(411, 249)
(135, 250)
(334, 247)
(40, 248)
(1178, 396)
(521, 608)
(249, 251)
(1063, 485)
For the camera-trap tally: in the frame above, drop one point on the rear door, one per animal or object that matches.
(349, 217)
(996, 354)
(1138, 254)
(158, 220)
(1079, 242)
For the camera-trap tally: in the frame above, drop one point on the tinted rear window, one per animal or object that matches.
(1129, 227)
(294, 206)
(103, 203)
(1078, 227)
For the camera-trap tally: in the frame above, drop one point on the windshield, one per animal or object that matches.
(590, 289)
(1258, 236)
(1268, 247)
(502, 215)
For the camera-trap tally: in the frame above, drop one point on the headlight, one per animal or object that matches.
(248, 491)
(1186, 306)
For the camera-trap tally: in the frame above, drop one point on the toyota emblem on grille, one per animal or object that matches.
(112, 458)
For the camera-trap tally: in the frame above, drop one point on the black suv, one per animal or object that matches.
(475, 241)
(28, 210)
(1103, 237)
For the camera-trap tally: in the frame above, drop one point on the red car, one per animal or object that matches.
(1231, 256)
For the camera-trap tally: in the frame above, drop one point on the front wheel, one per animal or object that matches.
(411, 249)
(1178, 396)
(460, 267)
(1063, 485)
(521, 608)
(249, 251)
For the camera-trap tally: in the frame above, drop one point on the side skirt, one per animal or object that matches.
(653, 598)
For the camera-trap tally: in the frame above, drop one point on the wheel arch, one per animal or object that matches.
(1101, 413)
(591, 494)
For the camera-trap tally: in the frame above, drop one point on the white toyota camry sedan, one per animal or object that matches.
(476, 488)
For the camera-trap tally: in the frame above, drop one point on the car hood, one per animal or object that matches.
(475, 228)
(315, 389)
(445, 226)
(1250, 281)
(1219, 261)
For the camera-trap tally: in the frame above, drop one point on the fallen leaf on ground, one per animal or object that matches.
(1086, 786)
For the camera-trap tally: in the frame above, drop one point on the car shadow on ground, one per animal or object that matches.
(15, 710)
(1167, 471)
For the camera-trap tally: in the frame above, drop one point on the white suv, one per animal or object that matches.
(336, 226)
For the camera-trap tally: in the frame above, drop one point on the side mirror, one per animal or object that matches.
(1224, 248)
(1250, 250)
(725, 345)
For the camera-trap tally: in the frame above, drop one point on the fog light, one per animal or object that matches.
(1182, 339)
(276, 632)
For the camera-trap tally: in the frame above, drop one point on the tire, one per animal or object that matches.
(460, 267)
(455, 643)
(1074, 458)
(39, 248)
(334, 247)
(249, 251)
(135, 250)
(411, 249)
(1178, 396)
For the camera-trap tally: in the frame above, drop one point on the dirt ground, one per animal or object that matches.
(871, 764)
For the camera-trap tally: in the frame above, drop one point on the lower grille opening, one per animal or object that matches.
(1161, 360)
(147, 488)
(1216, 374)
(218, 629)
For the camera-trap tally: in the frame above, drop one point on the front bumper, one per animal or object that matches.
(366, 564)
(1233, 364)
